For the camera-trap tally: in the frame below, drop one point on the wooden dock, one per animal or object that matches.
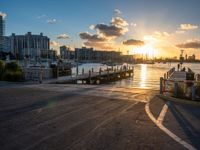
(103, 76)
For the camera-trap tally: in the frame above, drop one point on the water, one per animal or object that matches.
(146, 76)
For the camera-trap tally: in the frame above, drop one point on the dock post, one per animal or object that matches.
(92, 70)
(175, 89)
(107, 74)
(165, 76)
(161, 85)
(100, 71)
(193, 93)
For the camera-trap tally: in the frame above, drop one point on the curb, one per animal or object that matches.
(178, 100)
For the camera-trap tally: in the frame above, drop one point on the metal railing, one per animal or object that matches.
(189, 89)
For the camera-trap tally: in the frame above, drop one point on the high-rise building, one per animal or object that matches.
(28, 45)
(2, 28)
(64, 52)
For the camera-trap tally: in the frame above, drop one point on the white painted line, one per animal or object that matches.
(168, 132)
(162, 114)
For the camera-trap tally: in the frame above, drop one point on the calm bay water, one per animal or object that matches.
(145, 75)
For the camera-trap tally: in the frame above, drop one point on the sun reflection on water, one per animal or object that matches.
(143, 75)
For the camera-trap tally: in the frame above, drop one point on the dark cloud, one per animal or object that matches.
(111, 30)
(95, 41)
(91, 38)
(105, 34)
(133, 42)
(193, 44)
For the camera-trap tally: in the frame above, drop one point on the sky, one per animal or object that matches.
(154, 27)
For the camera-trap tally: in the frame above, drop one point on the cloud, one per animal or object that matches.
(118, 21)
(158, 34)
(51, 21)
(111, 30)
(41, 16)
(180, 31)
(133, 42)
(192, 44)
(92, 27)
(96, 41)
(117, 12)
(105, 33)
(91, 38)
(54, 44)
(63, 36)
(3, 14)
(188, 27)
(133, 24)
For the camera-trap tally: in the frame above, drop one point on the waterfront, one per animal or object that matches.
(146, 76)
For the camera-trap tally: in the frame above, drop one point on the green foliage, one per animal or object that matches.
(10, 72)
(12, 76)
(2, 67)
(12, 66)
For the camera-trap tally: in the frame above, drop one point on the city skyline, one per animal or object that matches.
(153, 28)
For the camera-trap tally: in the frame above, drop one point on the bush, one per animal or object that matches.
(12, 66)
(11, 72)
(2, 67)
(13, 76)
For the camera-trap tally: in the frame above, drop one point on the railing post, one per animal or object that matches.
(161, 85)
(193, 93)
(175, 89)
(92, 70)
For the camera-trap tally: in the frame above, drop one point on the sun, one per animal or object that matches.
(146, 50)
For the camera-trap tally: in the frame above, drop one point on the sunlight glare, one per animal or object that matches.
(143, 74)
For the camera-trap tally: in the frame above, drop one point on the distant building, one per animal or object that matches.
(28, 45)
(2, 28)
(64, 52)
(90, 55)
(191, 58)
(7, 44)
(84, 54)
(48, 54)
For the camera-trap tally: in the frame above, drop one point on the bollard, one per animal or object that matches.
(161, 85)
(175, 89)
(193, 93)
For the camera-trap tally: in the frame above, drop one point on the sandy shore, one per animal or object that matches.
(79, 117)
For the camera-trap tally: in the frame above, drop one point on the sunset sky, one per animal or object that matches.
(155, 27)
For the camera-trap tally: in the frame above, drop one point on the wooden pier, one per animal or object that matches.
(102, 76)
